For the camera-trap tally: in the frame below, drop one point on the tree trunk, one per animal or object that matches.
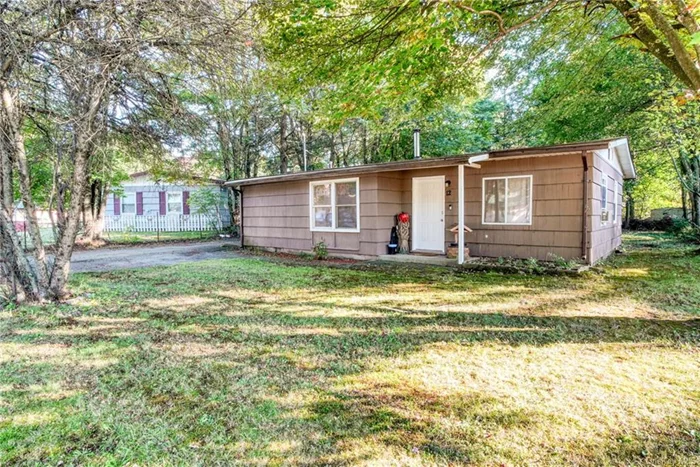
(227, 157)
(686, 18)
(33, 281)
(695, 193)
(343, 150)
(689, 175)
(284, 163)
(16, 267)
(629, 208)
(309, 144)
(31, 222)
(66, 242)
(6, 164)
(16, 262)
(85, 133)
(94, 207)
(365, 160)
(654, 44)
(299, 132)
(334, 162)
(680, 53)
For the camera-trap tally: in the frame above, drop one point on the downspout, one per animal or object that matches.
(584, 232)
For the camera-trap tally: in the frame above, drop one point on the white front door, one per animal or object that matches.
(428, 214)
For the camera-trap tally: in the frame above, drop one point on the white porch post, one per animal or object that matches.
(460, 214)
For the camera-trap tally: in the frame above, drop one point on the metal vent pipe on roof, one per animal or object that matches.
(416, 143)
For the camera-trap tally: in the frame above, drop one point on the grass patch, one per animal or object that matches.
(254, 361)
(130, 238)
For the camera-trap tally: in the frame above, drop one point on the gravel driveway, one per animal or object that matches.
(110, 259)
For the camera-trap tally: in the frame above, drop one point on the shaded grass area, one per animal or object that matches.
(47, 237)
(129, 238)
(252, 361)
(122, 238)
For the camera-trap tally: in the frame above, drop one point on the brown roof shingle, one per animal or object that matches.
(429, 162)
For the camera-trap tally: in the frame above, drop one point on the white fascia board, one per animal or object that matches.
(479, 158)
(621, 148)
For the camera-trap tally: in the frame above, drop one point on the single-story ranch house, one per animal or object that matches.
(546, 202)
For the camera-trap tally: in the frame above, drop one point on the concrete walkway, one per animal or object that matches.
(110, 259)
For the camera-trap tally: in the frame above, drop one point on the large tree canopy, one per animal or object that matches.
(376, 56)
(373, 54)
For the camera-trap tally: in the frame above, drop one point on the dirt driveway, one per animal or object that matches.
(110, 259)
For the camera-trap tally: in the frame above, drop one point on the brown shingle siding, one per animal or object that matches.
(276, 215)
(603, 238)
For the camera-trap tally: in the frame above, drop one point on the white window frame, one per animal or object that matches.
(167, 202)
(505, 212)
(334, 213)
(124, 202)
(603, 196)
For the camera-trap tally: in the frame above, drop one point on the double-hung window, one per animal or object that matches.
(335, 205)
(174, 202)
(129, 203)
(604, 198)
(507, 200)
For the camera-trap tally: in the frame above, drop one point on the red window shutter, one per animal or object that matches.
(117, 205)
(185, 204)
(161, 198)
(139, 203)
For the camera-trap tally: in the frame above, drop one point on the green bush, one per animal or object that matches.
(532, 266)
(206, 202)
(684, 231)
(678, 226)
(690, 235)
(320, 250)
(560, 262)
(654, 225)
(306, 256)
(130, 235)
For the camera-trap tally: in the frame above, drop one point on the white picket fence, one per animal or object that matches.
(167, 223)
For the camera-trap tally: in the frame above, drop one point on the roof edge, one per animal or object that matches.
(621, 147)
(433, 162)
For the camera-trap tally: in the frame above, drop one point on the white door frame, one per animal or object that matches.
(413, 210)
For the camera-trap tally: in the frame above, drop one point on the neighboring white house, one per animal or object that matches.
(145, 205)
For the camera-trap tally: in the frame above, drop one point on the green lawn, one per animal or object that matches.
(47, 237)
(125, 238)
(150, 237)
(253, 361)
